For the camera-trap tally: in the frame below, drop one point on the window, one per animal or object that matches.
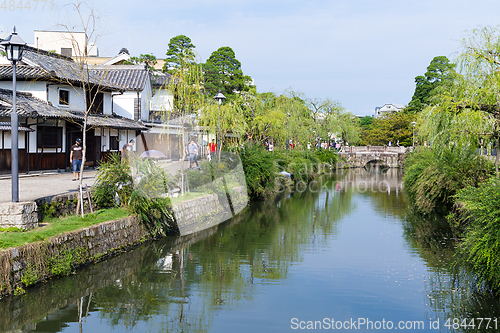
(66, 51)
(49, 137)
(63, 97)
(113, 143)
(95, 101)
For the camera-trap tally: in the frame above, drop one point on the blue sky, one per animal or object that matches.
(362, 53)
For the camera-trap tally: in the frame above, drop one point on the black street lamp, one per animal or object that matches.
(413, 124)
(219, 98)
(14, 49)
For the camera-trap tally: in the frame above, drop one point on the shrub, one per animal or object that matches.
(113, 185)
(431, 181)
(260, 170)
(148, 199)
(481, 245)
(327, 156)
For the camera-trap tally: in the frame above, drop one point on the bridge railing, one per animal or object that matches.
(374, 149)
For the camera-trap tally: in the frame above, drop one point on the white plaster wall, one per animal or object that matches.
(124, 104)
(8, 143)
(37, 88)
(76, 97)
(145, 98)
(162, 100)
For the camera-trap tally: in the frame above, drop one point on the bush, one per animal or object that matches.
(481, 245)
(431, 181)
(260, 170)
(327, 156)
(148, 199)
(113, 185)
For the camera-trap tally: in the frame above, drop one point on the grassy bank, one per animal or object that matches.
(56, 226)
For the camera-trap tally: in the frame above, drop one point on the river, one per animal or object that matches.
(346, 253)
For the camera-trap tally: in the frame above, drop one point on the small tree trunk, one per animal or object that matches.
(497, 157)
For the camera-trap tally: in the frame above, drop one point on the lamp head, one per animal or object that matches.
(219, 97)
(14, 46)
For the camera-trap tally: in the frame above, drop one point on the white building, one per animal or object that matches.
(387, 108)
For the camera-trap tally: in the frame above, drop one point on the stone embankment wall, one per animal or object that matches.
(58, 256)
(29, 264)
(204, 212)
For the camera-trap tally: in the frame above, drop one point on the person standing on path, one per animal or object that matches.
(75, 158)
(128, 147)
(192, 150)
(212, 147)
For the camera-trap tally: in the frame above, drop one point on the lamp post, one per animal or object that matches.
(14, 49)
(413, 124)
(219, 98)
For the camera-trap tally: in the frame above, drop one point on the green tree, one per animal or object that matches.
(366, 122)
(467, 112)
(440, 71)
(148, 59)
(180, 53)
(223, 73)
(330, 119)
(392, 127)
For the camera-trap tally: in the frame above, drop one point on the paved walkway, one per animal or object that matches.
(40, 185)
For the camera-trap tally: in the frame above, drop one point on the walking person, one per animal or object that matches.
(192, 150)
(212, 148)
(128, 147)
(75, 158)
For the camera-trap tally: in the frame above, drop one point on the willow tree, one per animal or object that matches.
(331, 119)
(467, 113)
(264, 121)
(226, 120)
(185, 85)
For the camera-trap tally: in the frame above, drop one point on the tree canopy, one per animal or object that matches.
(180, 51)
(392, 127)
(223, 72)
(467, 112)
(440, 71)
(148, 59)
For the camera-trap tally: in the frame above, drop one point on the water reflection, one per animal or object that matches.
(319, 252)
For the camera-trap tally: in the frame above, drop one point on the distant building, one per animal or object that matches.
(65, 43)
(387, 108)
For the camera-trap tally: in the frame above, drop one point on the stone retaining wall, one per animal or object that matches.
(26, 265)
(31, 263)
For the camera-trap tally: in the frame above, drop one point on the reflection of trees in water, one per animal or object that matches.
(178, 284)
(450, 291)
(269, 238)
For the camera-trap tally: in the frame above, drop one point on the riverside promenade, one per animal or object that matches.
(39, 185)
(43, 184)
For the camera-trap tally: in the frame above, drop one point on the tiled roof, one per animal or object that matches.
(115, 121)
(24, 72)
(4, 126)
(30, 106)
(127, 77)
(159, 79)
(50, 66)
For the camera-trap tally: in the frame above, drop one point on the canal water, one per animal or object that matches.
(344, 253)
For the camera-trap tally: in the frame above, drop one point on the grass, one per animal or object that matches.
(56, 226)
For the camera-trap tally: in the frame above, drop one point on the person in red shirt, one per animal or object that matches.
(212, 148)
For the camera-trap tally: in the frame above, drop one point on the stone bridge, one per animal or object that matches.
(373, 156)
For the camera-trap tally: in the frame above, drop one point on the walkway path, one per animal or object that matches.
(36, 186)
(39, 185)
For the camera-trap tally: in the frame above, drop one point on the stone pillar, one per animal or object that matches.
(21, 215)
